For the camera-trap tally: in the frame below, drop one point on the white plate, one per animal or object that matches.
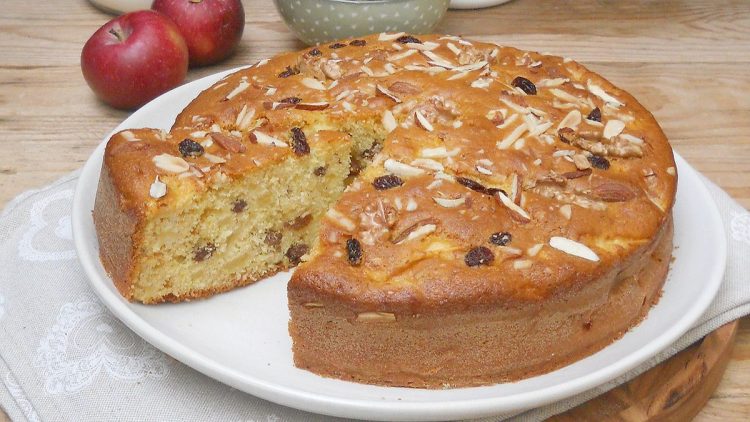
(240, 338)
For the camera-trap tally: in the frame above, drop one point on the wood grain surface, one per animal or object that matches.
(686, 61)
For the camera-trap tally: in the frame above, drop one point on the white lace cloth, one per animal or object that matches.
(64, 357)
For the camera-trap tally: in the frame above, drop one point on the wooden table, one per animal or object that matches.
(687, 61)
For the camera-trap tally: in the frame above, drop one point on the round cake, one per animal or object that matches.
(462, 213)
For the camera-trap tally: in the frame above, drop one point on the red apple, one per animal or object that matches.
(134, 58)
(211, 28)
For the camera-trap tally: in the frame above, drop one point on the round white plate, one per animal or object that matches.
(240, 337)
(475, 4)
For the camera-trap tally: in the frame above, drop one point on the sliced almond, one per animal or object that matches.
(574, 248)
(434, 152)
(613, 128)
(404, 88)
(599, 92)
(129, 136)
(613, 192)
(571, 120)
(423, 122)
(449, 203)
(520, 264)
(313, 106)
(243, 85)
(400, 169)
(385, 92)
(389, 122)
(512, 137)
(427, 163)
(513, 207)
(313, 83)
(566, 211)
(340, 220)
(415, 231)
(534, 250)
(384, 36)
(229, 143)
(581, 162)
(158, 189)
(403, 55)
(170, 163)
(265, 139)
(215, 159)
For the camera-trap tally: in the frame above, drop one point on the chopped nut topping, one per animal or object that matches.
(229, 143)
(400, 169)
(581, 162)
(129, 136)
(572, 120)
(671, 171)
(566, 211)
(534, 250)
(243, 85)
(340, 220)
(449, 203)
(613, 128)
(389, 122)
(423, 122)
(613, 192)
(513, 207)
(313, 84)
(389, 37)
(599, 92)
(574, 248)
(158, 189)
(170, 163)
(385, 92)
(265, 139)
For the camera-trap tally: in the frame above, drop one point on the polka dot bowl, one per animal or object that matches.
(320, 21)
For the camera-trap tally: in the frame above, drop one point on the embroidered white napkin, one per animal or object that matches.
(64, 357)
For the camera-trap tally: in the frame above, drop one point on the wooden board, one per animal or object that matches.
(686, 61)
(675, 390)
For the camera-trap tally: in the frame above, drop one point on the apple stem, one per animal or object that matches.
(118, 33)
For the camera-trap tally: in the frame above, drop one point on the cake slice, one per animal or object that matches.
(172, 227)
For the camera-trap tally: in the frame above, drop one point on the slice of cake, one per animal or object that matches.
(464, 213)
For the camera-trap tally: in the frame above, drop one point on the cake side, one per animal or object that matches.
(437, 348)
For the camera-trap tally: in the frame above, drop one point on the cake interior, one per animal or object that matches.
(252, 225)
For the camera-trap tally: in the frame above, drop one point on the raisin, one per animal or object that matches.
(479, 256)
(354, 251)
(526, 85)
(358, 43)
(587, 325)
(314, 52)
(289, 71)
(320, 171)
(295, 253)
(408, 39)
(355, 167)
(273, 238)
(299, 142)
(501, 238)
(300, 222)
(595, 115)
(337, 45)
(387, 181)
(290, 100)
(204, 252)
(239, 205)
(599, 162)
(471, 184)
(190, 148)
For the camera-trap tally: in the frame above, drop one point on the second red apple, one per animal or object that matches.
(211, 28)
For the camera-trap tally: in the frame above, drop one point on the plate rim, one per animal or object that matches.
(336, 406)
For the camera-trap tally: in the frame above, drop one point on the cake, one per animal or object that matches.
(461, 213)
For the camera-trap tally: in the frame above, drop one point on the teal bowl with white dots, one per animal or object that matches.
(320, 21)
